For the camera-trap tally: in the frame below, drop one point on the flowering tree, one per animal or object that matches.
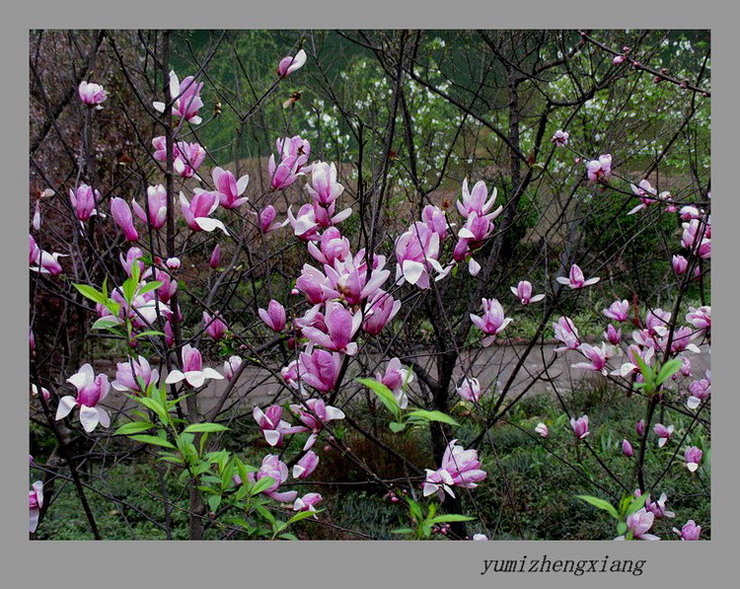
(365, 238)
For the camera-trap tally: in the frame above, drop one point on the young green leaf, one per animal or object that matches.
(601, 504)
(154, 440)
(133, 427)
(433, 416)
(204, 427)
(384, 394)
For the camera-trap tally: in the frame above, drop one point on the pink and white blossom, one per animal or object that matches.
(523, 291)
(92, 94)
(576, 278)
(291, 63)
(192, 369)
(91, 389)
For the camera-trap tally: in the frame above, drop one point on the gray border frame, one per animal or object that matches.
(361, 564)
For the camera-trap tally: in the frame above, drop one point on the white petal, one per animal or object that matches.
(273, 437)
(209, 224)
(174, 377)
(89, 418)
(66, 404)
(195, 378)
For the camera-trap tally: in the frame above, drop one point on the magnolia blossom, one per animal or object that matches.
(91, 390)
(307, 502)
(156, 202)
(700, 318)
(640, 428)
(230, 189)
(690, 531)
(314, 415)
(274, 468)
(470, 390)
(83, 200)
(597, 357)
(566, 332)
(417, 252)
(627, 448)
(121, 213)
(231, 366)
(396, 377)
(436, 220)
(459, 468)
(664, 433)
(523, 291)
(542, 430)
(599, 170)
(381, 309)
(274, 317)
(186, 97)
(693, 457)
(290, 64)
(700, 390)
(612, 335)
(324, 188)
(658, 507)
(576, 279)
(679, 264)
(194, 373)
(35, 503)
(133, 258)
(214, 326)
(319, 369)
(197, 212)
(580, 426)
(341, 326)
(560, 138)
(306, 465)
(92, 94)
(639, 523)
(267, 220)
(645, 191)
(294, 154)
(135, 376)
(187, 157)
(173, 263)
(477, 201)
(617, 311)
(273, 427)
(492, 322)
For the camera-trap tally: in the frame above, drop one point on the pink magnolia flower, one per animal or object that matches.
(197, 212)
(617, 311)
(186, 97)
(156, 199)
(319, 369)
(381, 309)
(306, 465)
(267, 220)
(693, 457)
(194, 373)
(133, 257)
(689, 212)
(690, 531)
(658, 507)
(436, 219)
(294, 154)
(83, 200)
(35, 503)
(580, 426)
(492, 322)
(173, 263)
(305, 226)
(274, 468)
(477, 201)
(341, 326)
(121, 213)
(618, 59)
(273, 427)
(92, 94)
(135, 376)
(169, 286)
(700, 318)
(459, 468)
(700, 390)
(612, 335)
(290, 64)
(597, 356)
(566, 332)
(308, 502)
(560, 138)
(231, 366)
(639, 523)
(696, 238)
(396, 377)
(324, 188)
(44, 262)
(640, 428)
(274, 317)
(215, 258)
(315, 285)
(91, 390)
(523, 291)
(542, 430)
(576, 279)
(188, 159)
(679, 264)
(664, 433)
(645, 191)
(229, 189)
(627, 448)
(350, 278)
(417, 252)
(599, 170)
(470, 390)
(314, 417)
(214, 326)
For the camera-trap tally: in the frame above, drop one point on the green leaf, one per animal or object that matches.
(91, 293)
(621, 528)
(148, 333)
(384, 394)
(451, 517)
(155, 406)
(261, 485)
(214, 501)
(133, 427)
(105, 323)
(403, 531)
(153, 440)
(433, 416)
(288, 536)
(600, 504)
(150, 286)
(264, 512)
(668, 369)
(396, 427)
(636, 504)
(205, 427)
(301, 515)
